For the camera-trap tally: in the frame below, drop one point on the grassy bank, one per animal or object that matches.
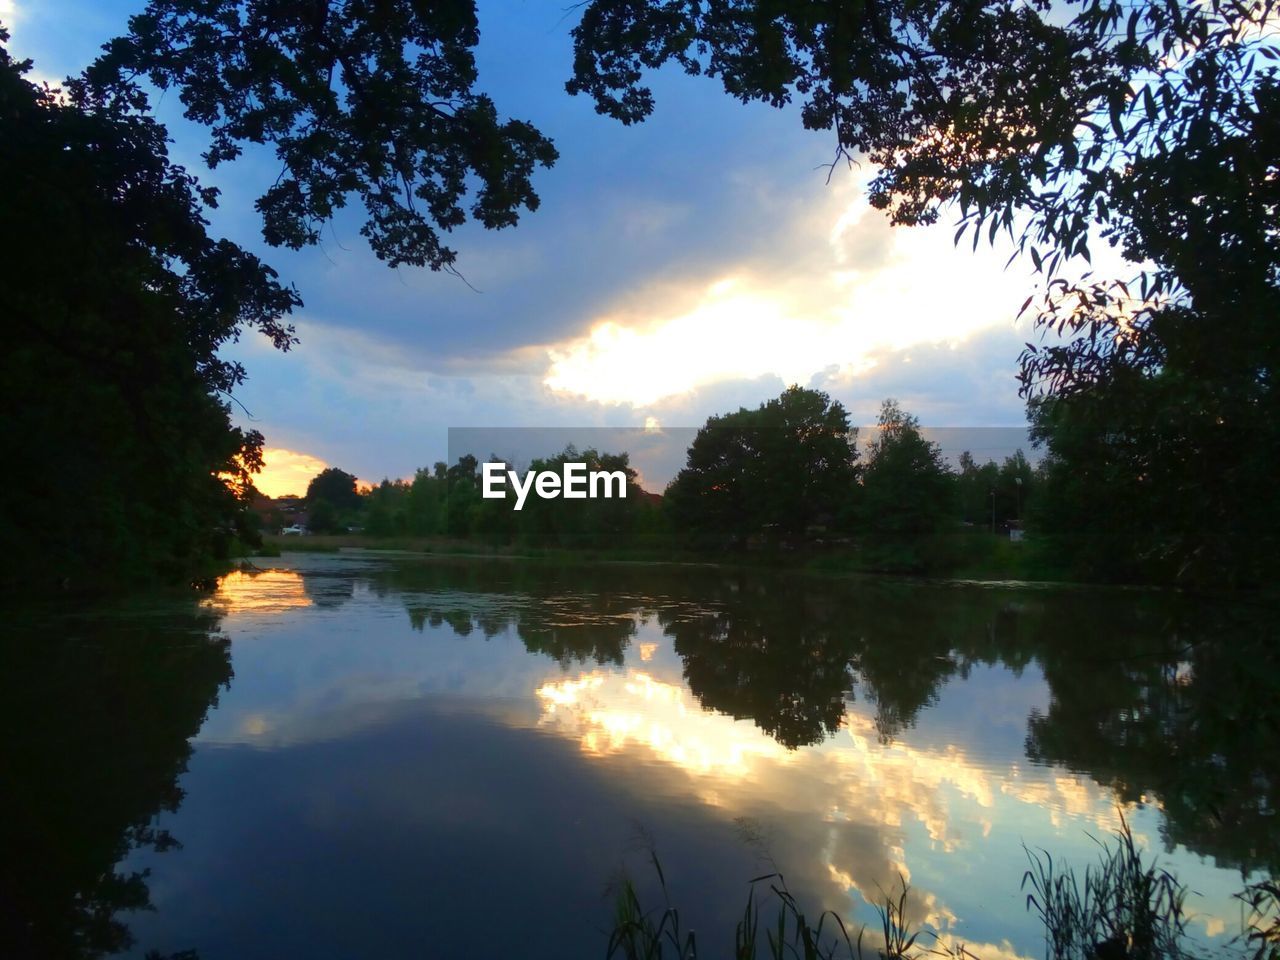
(968, 556)
(446, 547)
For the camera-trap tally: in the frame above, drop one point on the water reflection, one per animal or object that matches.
(410, 746)
(841, 815)
(260, 591)
(1194, 721)
(96, 718)
(1168, 699)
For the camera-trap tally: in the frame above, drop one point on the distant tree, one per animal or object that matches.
(467, 470)
(425, 506)
(596, 522)
(322, 517)
(336, 487)
(907, 493)
(777, 470)
(994, 496)
(386, 510)
(974, 488)
(1015, 486)
(461, 502)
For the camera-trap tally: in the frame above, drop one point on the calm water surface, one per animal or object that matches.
(376, 756)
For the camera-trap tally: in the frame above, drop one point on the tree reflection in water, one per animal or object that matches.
(1173, 699)
(96, 716)
(1156, 695)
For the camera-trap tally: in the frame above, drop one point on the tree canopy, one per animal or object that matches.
(1153, 125)
(907, 491)
(336, 486)
(773, 471)
(374, 99)
(117, 300)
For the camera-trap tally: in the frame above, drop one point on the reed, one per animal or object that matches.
(1120, 908)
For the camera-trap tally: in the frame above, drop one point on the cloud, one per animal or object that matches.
(286, 472)
(858, 814)
(849, 290)
(676, 269)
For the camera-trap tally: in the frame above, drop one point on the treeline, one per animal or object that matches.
(791, 475)
(446, 501)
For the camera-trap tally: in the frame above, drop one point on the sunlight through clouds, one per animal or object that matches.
(861, 288)
(286, 472)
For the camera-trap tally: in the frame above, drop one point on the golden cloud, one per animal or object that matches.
(286, 472)
(849, 290)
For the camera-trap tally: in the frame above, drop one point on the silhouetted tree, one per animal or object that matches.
(376, 101)
(774, 471)
(386, 509)
(335, 486)
(974, 488)
(907, 494)
(594, 522)
(117, 301)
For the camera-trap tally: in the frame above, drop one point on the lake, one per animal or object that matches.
(370, 755)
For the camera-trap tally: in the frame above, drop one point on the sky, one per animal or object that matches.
(680, 268)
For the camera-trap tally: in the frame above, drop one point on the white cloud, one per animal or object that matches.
(849, 289)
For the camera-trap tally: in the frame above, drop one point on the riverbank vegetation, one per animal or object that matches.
(113, 385)
(1124, 907)
(789, 483)
(1153, 127)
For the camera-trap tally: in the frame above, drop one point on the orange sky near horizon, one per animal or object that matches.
(286, 472)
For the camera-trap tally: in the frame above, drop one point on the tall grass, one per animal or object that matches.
(1121, 908)
(1263, 918)
(1124, 908)
(783, 933)
(653, 935)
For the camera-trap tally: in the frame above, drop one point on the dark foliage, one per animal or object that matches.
(771, 473)
(367, 98)
(97, 719)
(1152, 124)
(117, 300)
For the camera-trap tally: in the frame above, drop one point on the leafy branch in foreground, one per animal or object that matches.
(372, 101)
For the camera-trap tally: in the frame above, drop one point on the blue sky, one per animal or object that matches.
(676, 269)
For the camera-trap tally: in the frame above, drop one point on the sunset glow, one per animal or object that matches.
(832, 315)
(286, 472)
